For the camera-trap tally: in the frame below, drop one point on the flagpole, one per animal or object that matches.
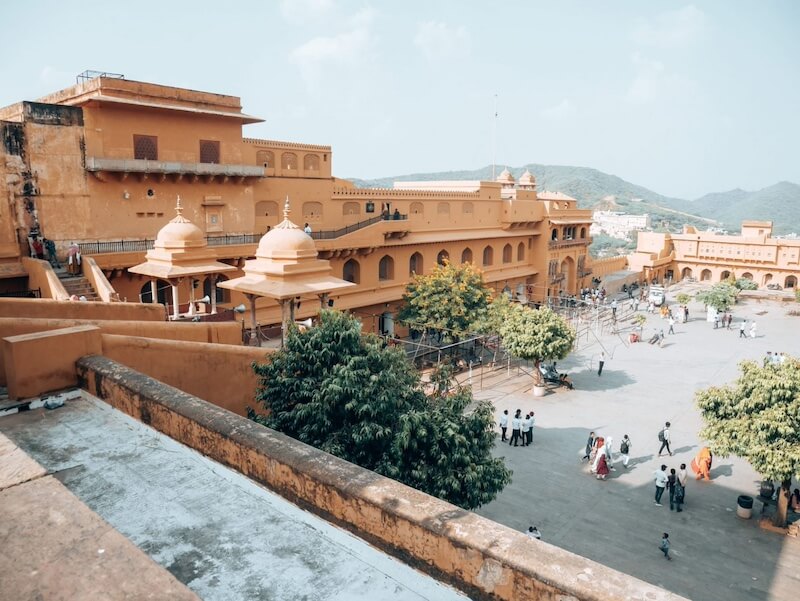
(494, 141)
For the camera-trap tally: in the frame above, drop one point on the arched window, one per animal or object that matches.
(311, 162)
(351, 208)
(747, 275)
(724, 275)
(790, 282)
(351, 271)
(265, 158)
(442, 257)
(705, 275)
(312, 211)
(223, 294)
(488, 256)
(386, 268)
(583, 233)
(162, 288)
(466, 256)
(415, 264)
(467, 208)
(507, 253)
(443, 208)
(417, 208)
(521, 251)
(288, 160)
(767, 278)
(554, 234)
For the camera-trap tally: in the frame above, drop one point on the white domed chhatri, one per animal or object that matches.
(181, 251)
(527, 181)
(505, 177)
(286, 241)
(286, 268)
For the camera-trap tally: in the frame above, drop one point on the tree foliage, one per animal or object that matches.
(720, 296)
(745, 284)
(495, 316)
(758, 418)
(350, 395)
(536, 335)
(451, 299)
(683, 298)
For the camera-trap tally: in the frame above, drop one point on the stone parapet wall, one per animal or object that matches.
(482, 558)
(55, 309)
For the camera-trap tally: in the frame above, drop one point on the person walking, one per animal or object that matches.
(307, 229)
(601, 362)
(742, 328)
(730, 320)
(682, 478)
(752, 329)
(530, 432)
(661, 483)
(526, 428)
(614, 309)
(677, 495)
(716, 321)
(610, 453)
(671, 325)
(672, 480)
(516, 423)
(625, 449)
(504, 425)
(602, 467)
(664, 439)
(664, 546)
(589, 446)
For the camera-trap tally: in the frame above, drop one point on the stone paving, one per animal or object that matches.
(717, 556)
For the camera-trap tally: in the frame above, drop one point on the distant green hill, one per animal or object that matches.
(597, 190)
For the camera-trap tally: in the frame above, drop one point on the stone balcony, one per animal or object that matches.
(177, 171)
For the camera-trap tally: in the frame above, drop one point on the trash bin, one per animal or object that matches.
(744, 507)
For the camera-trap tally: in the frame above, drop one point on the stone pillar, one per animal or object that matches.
(255, 340)
(154, 291)
(287, 310)
(323, 301)
(213, 279)
(175, 308)
(191, 297)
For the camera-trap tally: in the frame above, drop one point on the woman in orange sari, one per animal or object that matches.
(701, 465)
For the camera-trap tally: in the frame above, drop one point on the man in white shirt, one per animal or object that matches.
(526, 428)
(516, 422)
(661, 483)
(504, 425)
(664, 437)
(682, 474)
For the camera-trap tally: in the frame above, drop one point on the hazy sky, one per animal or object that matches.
(682, 98)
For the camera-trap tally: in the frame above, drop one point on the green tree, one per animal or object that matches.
(797, 294)
(496, 314)
(452, 299)
(745, 284)
(350, 395)
(720, 296)
(536, 335)
(683, 298)
(758, 418)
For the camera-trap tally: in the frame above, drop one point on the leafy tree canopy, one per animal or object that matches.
(683, 298)
(452, 299)
(349, 394)
(536, 334)
(720, 296)
(758, 418)
(745, 284)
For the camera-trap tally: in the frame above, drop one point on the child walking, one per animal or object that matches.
(665, 545)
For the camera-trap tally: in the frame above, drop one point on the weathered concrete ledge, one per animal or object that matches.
(483, 558)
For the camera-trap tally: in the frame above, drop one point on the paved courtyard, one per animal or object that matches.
(717, 556)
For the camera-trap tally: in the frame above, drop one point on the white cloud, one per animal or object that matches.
(649, 81)
(560, 111)
(439, 41)
(670, 29)
(300, 11)
(347, 49)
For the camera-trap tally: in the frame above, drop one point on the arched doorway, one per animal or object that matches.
(686, 273)
(162, 289)
(767, 278)
(351, 272)
(724, 276)
(747, 275)
(568, 270)
(443, 257)
(705, 275)
(791, 282)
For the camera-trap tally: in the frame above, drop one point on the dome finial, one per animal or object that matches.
(178, 207)
(286, 209)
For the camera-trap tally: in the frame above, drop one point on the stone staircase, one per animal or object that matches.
(77, 285)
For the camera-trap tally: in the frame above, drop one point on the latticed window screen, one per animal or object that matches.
(145, 148)
(209, 151)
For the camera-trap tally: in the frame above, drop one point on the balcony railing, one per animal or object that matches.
(567, 243)
(557, 277)
(127, 246)
(348, 229)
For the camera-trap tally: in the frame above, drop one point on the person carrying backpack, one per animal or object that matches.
(624, 449)
(663, 438)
